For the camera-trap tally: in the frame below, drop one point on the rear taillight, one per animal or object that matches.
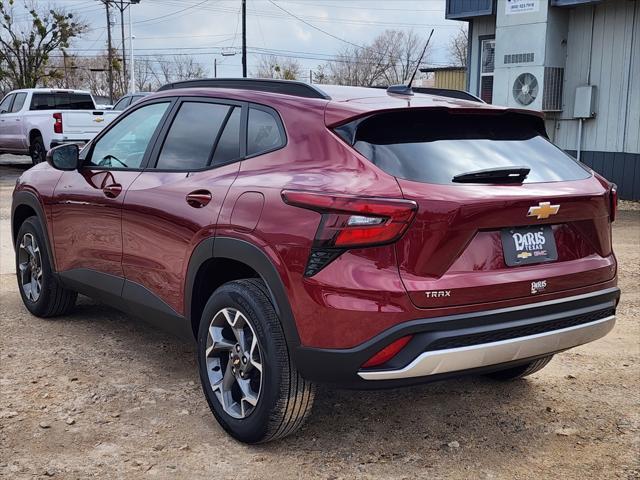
(613, 202)
(57, 125)
(351, 222)
(387, 353)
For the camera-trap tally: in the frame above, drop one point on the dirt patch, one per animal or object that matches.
(98, 394)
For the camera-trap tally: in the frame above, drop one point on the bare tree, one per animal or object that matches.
(144, 75)
(179, 67)
(459, 47)
(272, 66)
(390, 59)
(26, 46)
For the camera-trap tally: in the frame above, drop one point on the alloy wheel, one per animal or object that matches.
(234, 362)
(30, 267)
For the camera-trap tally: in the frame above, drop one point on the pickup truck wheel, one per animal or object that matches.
(248, 378)
(37, 151)
(41, 292)
(521, 370)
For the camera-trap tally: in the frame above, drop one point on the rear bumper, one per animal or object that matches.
(495, 353)
(468, 343)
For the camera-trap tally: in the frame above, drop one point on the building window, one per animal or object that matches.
(487, 64)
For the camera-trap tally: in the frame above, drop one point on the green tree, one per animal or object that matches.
(26, 45)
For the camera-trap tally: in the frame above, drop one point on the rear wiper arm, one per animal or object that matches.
(494, 175)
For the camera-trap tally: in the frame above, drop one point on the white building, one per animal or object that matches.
(576, 60)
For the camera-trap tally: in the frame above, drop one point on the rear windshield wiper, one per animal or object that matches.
(494, 175)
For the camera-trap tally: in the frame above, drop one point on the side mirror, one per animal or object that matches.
(64, 157)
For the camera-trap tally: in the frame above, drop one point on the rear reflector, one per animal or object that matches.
(387, 353)
(613, 199)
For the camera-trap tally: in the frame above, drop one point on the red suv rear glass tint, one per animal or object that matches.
(433, 147)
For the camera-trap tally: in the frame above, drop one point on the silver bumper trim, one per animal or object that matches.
(486, 354)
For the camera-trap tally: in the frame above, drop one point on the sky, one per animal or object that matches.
(209, 29)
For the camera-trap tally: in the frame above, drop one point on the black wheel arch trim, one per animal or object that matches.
(254, 257)
(30, 199)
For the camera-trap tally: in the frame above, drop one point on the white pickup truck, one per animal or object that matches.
(34, 120)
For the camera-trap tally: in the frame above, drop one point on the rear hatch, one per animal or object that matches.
(502, 212)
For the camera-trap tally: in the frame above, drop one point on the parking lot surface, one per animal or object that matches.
(99, 394)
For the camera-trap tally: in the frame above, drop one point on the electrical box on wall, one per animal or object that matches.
(585, 103)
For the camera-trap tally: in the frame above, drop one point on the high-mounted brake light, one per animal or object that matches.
(351, 222)
(387, 353)
(57, 125)
(613, 199)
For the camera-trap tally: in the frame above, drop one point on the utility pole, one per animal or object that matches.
(122, 8)
(215, 68)
(244, 38)
(132, 66)
(110, 52)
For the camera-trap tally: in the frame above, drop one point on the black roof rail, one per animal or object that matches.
(287, 87)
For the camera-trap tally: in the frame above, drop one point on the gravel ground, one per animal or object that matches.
(98, 394)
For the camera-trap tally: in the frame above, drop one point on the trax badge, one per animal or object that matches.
(438, 293)
(538, 287)
(543, 210)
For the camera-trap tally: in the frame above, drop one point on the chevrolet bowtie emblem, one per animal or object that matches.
(543, 210)
(98, 119)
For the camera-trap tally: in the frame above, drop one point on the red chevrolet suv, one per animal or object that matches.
(343, 235)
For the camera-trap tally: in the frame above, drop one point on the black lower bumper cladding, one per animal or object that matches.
(341, 366)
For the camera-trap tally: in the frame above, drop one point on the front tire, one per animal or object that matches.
(248, 378)
(41, 292)
(37, 150)
(521, 370)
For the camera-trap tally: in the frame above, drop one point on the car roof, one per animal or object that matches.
(341, 103)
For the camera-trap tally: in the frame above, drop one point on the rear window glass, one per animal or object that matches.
(62, 101)
(433, 147)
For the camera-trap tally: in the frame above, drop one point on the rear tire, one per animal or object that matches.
(252, 404)
(521, 370)
(41, 292)
(37, 150)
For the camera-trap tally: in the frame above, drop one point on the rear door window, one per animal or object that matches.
(433, 147)
(264, 133)
(61, 101)
(228, 146)
(191, 138)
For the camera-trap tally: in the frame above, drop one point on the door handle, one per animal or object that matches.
(199, 198)
(112, 191)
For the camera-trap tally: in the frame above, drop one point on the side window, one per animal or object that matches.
(122, 103)
(43, 101)
(228, 147)
(125, 144)
(18, 102)
(263, 132)
(190, 140)
(6, 103)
